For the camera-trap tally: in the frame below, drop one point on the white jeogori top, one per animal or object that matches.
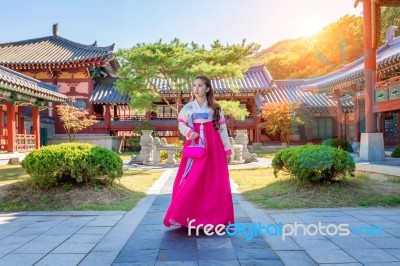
(193, 107)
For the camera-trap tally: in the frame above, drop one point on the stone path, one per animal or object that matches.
(154, 244)
(138, 237)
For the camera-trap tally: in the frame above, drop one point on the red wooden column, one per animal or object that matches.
(10, 127)
(369, 65)
(1, 120)
(107, 116)
(21, 126)
(257, 130)
(339, 117)
(356, 119)
(36, 125)
(148, 115)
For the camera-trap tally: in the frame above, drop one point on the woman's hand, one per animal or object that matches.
(193, 136)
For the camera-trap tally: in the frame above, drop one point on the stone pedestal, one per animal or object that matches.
(242, 139)
(372, 147)
(146, 147)
(156, 150)
(171, 152)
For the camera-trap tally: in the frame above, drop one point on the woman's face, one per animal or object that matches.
(199, 88)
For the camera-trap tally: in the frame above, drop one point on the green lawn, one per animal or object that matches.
(127, 155)
(262, 188)
(18, 194)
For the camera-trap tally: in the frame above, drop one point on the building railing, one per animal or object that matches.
(157, 119)
(123, 118)
(3, 143)
(25, 142)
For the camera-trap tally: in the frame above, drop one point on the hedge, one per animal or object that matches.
(72, 162)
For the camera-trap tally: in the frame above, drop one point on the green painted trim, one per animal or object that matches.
(381, 95)
(394, 92)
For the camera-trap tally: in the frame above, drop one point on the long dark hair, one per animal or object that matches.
(212, 103)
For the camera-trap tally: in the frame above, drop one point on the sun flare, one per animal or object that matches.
(308, 28)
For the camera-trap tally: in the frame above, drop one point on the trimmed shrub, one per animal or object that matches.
(72, 162)
(314, 163)
(178, 154)
(338, 143)
(396, 152)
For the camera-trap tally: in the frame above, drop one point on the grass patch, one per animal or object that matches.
(261, 187)
(19, 194)
(263, 154)
(13, 173)
(127, 155)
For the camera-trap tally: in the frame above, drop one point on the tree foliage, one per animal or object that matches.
(233, 108)
(390, 16)
(277, 119)
(284, 119)
(335, 45)
(176, 64)
(74, 119)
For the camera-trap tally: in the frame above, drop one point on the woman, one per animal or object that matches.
(201, 192)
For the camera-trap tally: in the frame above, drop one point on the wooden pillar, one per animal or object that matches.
(1, 121)
(356, 119)
(370, 36)
(339, 117)
(257, 130)
(10, 127)
(232, 126)
(36, 125)
(21, 126)
(115, 113)
(107, 117)
(148, 115)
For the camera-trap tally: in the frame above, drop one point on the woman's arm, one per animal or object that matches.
(183, 123)
(224, 135)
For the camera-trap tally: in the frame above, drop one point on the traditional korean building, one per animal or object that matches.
(19, 133)
(71, 66)
(347, 87)
(252, 91)
(87, 73)
(336, 100)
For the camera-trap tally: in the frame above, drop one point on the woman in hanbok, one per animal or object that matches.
(201, 194)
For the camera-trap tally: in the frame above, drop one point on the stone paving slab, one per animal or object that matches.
(152, 244)
(138, 237)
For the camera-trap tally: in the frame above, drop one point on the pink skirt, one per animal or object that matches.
(205, 193)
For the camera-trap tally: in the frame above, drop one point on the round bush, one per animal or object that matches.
(314, 163)
(396, 152)
(72, 162)
(338, 143)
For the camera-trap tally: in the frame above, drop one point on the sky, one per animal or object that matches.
(128, 22)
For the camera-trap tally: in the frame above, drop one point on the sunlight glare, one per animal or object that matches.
(308, 27)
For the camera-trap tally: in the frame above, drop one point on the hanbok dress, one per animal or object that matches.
(203, 195)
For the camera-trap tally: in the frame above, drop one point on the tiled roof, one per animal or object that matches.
(289, 91)
(107, 93)
(387, 57)
(13, 81)
(51, 50)
(256, 78)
